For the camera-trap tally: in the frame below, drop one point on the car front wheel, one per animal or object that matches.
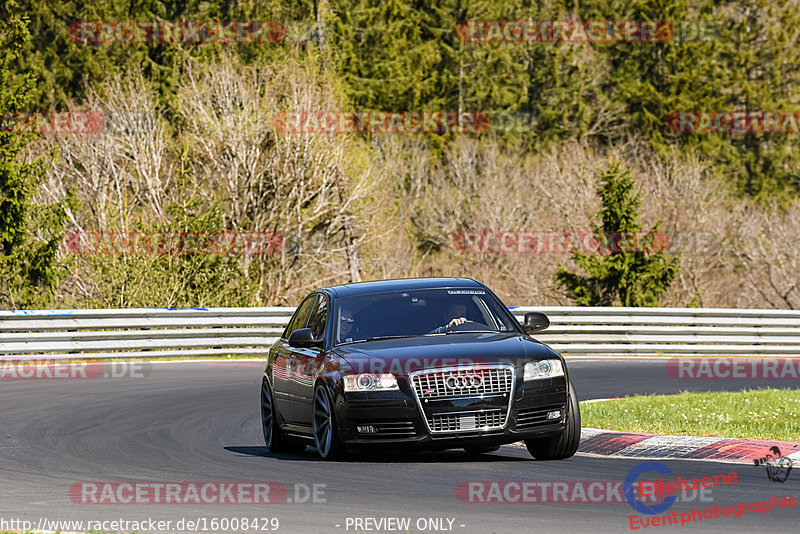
(565, 444)
(326, 433)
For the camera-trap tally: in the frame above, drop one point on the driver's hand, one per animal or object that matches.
(457, 321)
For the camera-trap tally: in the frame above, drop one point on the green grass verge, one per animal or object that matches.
(749, 414)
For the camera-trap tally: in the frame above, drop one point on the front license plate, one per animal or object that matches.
(468, 422)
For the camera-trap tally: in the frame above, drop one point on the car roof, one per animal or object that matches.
(377, 286)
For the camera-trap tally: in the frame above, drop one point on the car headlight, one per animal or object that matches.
(542, 369)
(370, 382)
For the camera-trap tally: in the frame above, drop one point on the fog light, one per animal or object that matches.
(555, 414)
(367, 429)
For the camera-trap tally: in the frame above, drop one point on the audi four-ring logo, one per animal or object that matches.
(461, 382)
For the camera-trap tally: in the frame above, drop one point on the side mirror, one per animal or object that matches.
(302, 338)
(535, 321)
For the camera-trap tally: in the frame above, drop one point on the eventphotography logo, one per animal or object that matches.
(777, 466)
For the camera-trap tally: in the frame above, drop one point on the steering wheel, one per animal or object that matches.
(469, 325)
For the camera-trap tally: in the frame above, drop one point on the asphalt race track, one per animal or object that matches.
(190, 422)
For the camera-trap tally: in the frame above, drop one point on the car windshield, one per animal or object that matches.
(419, 312)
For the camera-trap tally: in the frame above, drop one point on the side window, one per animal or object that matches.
(300, 316)
(319, 318)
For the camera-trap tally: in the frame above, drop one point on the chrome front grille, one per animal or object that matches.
(458, 382)
(461, 421)
(484, 391)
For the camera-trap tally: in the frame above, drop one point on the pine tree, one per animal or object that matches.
(621, 275)
(29, 233)
(745, 60)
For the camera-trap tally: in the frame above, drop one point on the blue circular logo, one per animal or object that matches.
(635, 503)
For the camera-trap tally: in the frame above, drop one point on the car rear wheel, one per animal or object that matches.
(274, 438)
(565, 444)
(326, 432)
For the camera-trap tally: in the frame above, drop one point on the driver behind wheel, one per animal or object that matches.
(457, 315)
(347, 328)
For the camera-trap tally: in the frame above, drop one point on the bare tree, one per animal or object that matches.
(307, 185)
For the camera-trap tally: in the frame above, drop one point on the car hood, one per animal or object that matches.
(402, 356)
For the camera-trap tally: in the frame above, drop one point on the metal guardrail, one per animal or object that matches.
(207, 332)
(670, 331)
(140, 332)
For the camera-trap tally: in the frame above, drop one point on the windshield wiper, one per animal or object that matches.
(375, 338)
(472, 332)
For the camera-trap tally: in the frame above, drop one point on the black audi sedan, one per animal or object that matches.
(424, 363)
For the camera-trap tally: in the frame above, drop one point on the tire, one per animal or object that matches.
(326, 432)
(475, 450)
(274, 438)
(564, 445)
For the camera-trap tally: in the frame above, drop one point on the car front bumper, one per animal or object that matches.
(396, 419)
